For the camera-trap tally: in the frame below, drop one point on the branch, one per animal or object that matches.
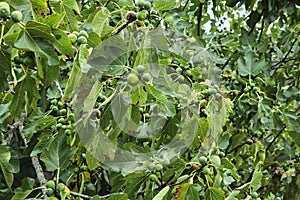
(49, 7)
(34, 159)
(120, 28)
(261, 30)
(38, 170)
(187, 2)
(17, 126)
(200, 18)
(274, 139)
(237, 147)
(285, 57)
(75, 194)
(59, 88)
(228, 60)
(260, 15)
(106, 3)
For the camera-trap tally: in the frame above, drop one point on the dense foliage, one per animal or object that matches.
(237, 94)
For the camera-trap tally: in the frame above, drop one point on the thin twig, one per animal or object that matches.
(18, 125)
(106, 3)
(59, 88)
(34, 159)
(261, 30)
(185, 5)
(285, 57)
(119, 29)
(237, 147)
(260, 15)
(2, 32)
(75, 194)
(274, 139)
(49, 7)
(228, 60)
(200, 8)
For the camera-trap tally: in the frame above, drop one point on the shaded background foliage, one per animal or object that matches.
(257, 54)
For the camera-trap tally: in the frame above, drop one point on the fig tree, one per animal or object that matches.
(180, 78)
(130, 16)
(147, 5)
(179, 70)
(141, 15)
(49, 192)
(140, 3)
(188, 72)
(53, 102)
(16, 16)
(206, 171)
(83, 33)
(50, 184)
(18, 60)
(60, 187)
(72, 37)
(90, 189)
(4, 10)
(82, 40)
(62, 111)
(254, 195)
(54, 108)
(159, 167)
(146, 77)
(61, 120)
(132, 79)
(153, 177)
(28, 61)
(60, 104)
(140, 69)
(154, 12)
(76, 169)
(202, 160)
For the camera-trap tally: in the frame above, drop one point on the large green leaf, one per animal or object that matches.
(62, 43)
(47, 73)
(162, 193)
(39, 124)
(37, 37)
(256, 180)
(5, 166)
(38, 8)
(25, 189)
(186, 191)
(5, 57)
(157, 94)
(5, 63)
(58, 153)
(18, 101)
(134, 181)
(139, 96)
(213, 193)
(12, 34)
(164, 4)
(121, 110)
(100, 20)
(69, 8)
(91, 98)
(249, 66)
(26, 94)
(76, 74)
(295, 136)
(217, 111)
